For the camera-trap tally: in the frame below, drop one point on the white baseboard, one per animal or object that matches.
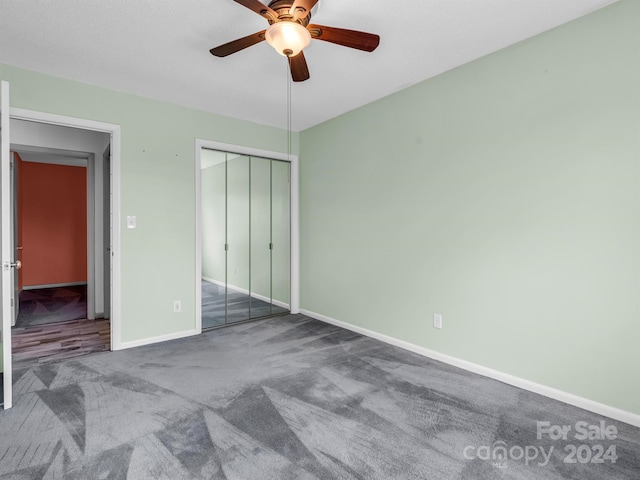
(161, 338)
(52, 285)
(571, 399)
(246, 292)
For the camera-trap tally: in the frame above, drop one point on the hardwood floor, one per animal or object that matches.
(39, 345)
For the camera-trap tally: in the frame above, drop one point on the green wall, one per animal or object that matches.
(158, 144)
(503, 195)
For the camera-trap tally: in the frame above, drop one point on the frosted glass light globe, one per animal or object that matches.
(288, 38)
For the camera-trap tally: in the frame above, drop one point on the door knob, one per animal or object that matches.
(17, 265)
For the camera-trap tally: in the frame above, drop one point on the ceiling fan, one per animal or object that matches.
(289, 32)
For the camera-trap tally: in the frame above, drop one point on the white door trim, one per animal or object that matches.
(6, 255)
(114, 131)
(91, 237)
(295, 216)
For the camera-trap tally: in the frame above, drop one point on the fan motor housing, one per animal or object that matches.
(282, 7)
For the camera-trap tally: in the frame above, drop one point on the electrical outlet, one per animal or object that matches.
(177, 306)
(437, 320)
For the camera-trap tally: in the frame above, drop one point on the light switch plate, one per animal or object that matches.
(131, 221)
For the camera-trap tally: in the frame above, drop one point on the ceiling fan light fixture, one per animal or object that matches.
(288, 38)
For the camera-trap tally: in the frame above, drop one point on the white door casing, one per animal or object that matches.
(15, 298)
(115, 133)
(6, 241)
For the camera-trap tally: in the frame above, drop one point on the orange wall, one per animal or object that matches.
(52, 223)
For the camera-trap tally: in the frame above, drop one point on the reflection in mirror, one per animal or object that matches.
(281, 235)
(238, 252)
(260, 237)
(213, 221)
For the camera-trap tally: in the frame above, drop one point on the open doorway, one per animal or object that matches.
(51, 236)
(63, 208)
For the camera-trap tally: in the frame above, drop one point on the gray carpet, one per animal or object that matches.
(283, 398)
(51, 305)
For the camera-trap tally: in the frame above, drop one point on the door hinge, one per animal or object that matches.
(271, 246)
(226, 247)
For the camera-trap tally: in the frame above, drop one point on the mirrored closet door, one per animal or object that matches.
(245, 208)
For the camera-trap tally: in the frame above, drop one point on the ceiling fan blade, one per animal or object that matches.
(348, 38)
(258, 7)
(307, 5)
(299, 69)
(237, 45)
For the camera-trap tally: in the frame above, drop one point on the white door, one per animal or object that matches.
(8, 263)
(15, 298)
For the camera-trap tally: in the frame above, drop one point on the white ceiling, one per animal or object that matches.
(160, 49)
(52, 156)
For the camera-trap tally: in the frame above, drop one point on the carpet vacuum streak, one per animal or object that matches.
(289, 398)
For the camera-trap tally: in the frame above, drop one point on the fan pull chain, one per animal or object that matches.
(288, 112)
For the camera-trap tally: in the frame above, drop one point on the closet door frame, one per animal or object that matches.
(200, 144)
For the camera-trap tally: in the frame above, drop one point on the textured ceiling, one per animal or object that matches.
(160, 49)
